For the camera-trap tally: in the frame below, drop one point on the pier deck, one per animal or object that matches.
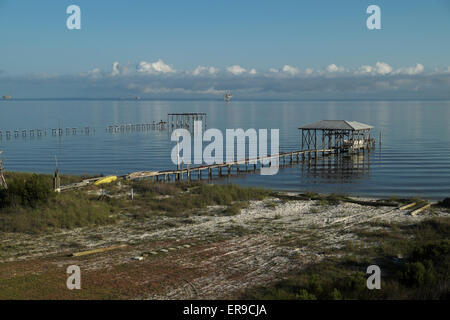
(251, 165)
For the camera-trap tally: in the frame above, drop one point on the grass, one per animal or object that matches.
(187, 198)
(63, 211)
(235, 208)
(329, 200)
(30, 206)
(320, 281)
(65, 179)
(415, 264)
(445, 203)
(271, 205)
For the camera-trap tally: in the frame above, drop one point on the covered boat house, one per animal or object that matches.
(333, 136)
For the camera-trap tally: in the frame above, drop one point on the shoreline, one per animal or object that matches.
(78, 177)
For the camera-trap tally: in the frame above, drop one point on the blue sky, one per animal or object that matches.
(260, 35)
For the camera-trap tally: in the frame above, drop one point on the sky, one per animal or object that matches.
(197, 49)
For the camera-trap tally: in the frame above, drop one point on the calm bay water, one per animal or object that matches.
(414, 158)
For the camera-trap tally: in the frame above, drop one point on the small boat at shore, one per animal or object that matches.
(7, 97)
(108, 179)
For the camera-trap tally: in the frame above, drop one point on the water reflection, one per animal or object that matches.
(415, 160)
(345, 168)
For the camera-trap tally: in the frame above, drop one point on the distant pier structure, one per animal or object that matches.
(336, 136)
(44, 132)
(127, 127)
(185, 120)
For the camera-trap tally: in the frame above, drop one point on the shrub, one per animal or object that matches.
(336, 295)
(235, 208)
(417, 274)
(445, 203)
(305, 295)
(26, 192)
(149, 187)
(434, 250)
(64, 211)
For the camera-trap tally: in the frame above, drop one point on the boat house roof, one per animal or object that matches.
(337, 125)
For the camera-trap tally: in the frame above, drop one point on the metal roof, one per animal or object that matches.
(337, 125)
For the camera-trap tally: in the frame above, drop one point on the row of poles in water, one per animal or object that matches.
(8, 134)
(174, 121)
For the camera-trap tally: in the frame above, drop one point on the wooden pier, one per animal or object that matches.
(348, 138)
(336, 136)
(224, 169)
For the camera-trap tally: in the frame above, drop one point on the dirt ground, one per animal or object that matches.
(201, 257)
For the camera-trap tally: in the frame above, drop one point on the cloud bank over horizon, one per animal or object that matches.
(159, 80)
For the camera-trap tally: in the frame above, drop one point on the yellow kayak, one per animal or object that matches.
(108, 179)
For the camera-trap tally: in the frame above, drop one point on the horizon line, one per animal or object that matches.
(219, 99)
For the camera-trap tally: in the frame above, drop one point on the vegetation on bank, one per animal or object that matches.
(29, 205)
(445, 203)
(414, 258)
(414, 261)
(188, 198)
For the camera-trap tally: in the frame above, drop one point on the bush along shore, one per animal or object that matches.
(320, 245)
(30, 205)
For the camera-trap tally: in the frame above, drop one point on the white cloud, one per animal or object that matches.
(119, 69)
(116, 70)
(202, 70)
(365, 69)
(236, 70)
(334, 68)
(94, 73)
(124, 81)
(419, 68)
(185, 91)
(442, 70)
(380, 68)
(290, 70)
(157, 67)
